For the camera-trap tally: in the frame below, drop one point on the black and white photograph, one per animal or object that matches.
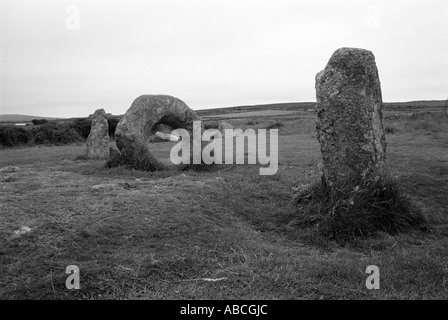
(218, 157)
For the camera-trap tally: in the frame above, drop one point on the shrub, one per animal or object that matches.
(211, 125)
(11, 136)
(56, 134)
(251, 123)
(112, 125)
(390, 129)
(45, 133)
(39, 121)
(353, 209)
(82, 126)
(65, 135)
(275, 125)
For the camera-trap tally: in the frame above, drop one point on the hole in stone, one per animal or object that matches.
(168, 122)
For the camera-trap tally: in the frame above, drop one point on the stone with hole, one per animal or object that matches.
(146, 116)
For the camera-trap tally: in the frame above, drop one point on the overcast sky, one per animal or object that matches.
(68, 58)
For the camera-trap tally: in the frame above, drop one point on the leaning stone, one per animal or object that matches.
(97, 145)
(350, 121)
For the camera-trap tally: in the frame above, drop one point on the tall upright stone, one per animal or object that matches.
(97, 145)
(350, 121)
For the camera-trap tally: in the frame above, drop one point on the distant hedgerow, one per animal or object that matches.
(82, 126)
(55, 134)
(39, 121)
(11, 136)
(275, 125)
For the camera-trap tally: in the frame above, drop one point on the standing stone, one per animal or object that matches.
(98, 140)
(350, 121)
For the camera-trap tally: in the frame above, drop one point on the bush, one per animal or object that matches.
(112, 125)
(82, 127)
(251, 123)
(11, 136)
(211, 125)
(39, 121)
(390, 129)
(65, 135)
(46, 133)
(353, 209)
(275, 125)
(52, 133)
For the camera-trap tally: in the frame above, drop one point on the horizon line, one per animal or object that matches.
(216, 108)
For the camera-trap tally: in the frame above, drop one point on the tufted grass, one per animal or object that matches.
(357, 208)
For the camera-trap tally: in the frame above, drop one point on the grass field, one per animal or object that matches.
(165, 235)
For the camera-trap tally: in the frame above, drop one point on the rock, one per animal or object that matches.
(143, 120)
(21, 231)
(350, 121)
(160, 131)
(105, 187)
(167, 136)
(10, 169)
(97, 145)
